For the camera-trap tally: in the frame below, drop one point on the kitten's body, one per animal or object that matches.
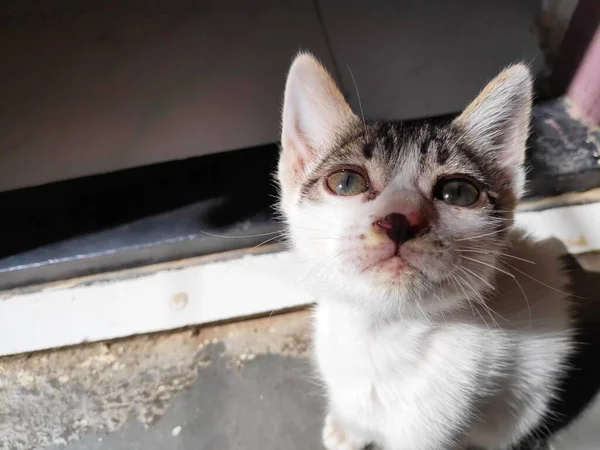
(438, 325)
(481, 377)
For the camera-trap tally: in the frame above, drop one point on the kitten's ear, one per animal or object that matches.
(313, 110)
(497, 121)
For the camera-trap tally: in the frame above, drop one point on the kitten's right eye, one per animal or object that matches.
(457, 192)
(347, 182)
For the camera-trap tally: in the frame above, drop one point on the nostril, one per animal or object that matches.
(384, 224)
(397, 227)
(397, 218)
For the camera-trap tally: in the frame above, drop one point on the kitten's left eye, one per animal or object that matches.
(346, 182)
(457, 192)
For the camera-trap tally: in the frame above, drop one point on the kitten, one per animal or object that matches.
(439, 326)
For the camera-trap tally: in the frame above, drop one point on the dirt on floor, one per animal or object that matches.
(55, 397)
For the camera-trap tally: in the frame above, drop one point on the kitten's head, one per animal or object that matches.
(401, 218)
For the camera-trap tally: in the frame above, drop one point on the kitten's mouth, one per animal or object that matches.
(396, 258)
(393, 262)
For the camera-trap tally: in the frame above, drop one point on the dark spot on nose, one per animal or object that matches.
(397, 227)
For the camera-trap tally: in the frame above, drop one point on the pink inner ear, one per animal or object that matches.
(297, 164)
(514, 155)
(291, 165)
(295, 149)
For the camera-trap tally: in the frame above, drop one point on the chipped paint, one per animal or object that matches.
(581, 241)
(179, 301)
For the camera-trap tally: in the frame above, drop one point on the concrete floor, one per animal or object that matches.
(238, 386)
(246, 385)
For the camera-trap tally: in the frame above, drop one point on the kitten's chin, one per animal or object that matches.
(391, 271)
(408, 266)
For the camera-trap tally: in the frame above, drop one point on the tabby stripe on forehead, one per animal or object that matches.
(367, 149)
(443, 153)
(423, 151)
(387, 133)
(350, 138)
(474, 159)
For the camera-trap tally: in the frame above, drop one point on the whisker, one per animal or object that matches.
(326, 238)
(456, 283)
(241, 237)
(359, 101)
(487, 308)
(479, 296)
(262, 243)
(441, 311)
(483, 235)
(510, 275)
(496, 253)
(488, 265)
(321, 264)
(490, 311)
(475, 292)
(504, 210)
(319, 218)
(544, 284)
(482, 279)
(525, 297)
(421, 309)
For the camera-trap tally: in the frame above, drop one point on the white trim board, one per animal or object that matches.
(175, 295)
(578, 227)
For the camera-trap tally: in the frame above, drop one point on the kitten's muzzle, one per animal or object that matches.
(397, 227)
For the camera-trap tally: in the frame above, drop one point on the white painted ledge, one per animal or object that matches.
(171, 298)
(202, 290)
(577, 226)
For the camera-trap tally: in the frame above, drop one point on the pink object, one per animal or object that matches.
(584, 90)
(577, 70)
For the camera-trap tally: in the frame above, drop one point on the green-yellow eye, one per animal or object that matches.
(347, 182)
(457, 192)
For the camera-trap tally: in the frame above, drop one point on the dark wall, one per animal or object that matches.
(101, 85)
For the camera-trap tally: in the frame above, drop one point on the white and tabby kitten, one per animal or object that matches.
(431, 332)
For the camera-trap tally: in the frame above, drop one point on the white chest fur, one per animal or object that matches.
(418, 385)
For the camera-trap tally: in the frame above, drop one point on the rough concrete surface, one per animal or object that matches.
(238, 386)
(245, 385)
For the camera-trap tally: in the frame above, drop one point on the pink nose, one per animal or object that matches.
(397, 227)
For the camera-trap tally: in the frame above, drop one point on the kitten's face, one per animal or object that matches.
(396, 217)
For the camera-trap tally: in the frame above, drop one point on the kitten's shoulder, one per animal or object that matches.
(533, 282)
